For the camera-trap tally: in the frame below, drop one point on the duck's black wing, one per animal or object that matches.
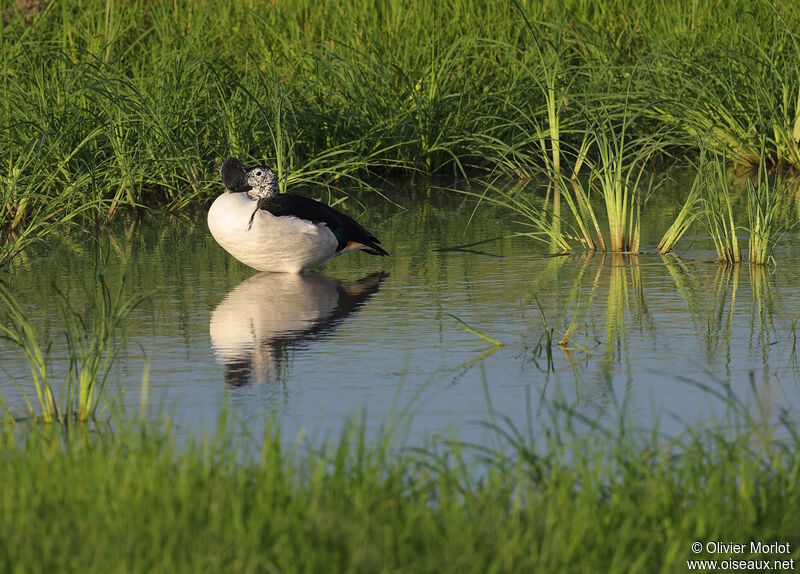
(347, 231)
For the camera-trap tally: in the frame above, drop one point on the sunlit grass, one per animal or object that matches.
(765, 195)
(688, 213)
(719, 213)
(425, 91)
(618, 175)
(112, 107)
(616, 167)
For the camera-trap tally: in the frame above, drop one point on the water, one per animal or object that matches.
(370, 336)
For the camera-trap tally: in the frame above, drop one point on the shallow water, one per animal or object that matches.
(372, 336)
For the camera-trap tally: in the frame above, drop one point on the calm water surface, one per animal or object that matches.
(371, 335)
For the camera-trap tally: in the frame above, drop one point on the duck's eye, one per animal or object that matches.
(258, 173)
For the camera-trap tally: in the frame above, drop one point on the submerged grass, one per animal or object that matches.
(592, 500)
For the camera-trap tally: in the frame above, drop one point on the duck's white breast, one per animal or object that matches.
(271, 243)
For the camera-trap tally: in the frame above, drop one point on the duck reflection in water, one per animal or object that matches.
(268, 314)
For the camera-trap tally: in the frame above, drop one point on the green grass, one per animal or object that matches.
(765, 198)
(615, 177)
(688, 213)
(716, 197)
(619, 500)
(108, 106)
(719, 213)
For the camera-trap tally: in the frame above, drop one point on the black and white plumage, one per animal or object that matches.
(271, 231)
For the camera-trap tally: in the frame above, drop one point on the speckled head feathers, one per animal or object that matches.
(262, 181)
(258, 181)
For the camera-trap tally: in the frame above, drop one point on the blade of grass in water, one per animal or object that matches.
(466, 327)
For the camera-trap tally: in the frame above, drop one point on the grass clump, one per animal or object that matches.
(600, 501)
(615, 167)
(719, 213)
(688, 213)
(710, 201)
(765, 195)
(618, 174)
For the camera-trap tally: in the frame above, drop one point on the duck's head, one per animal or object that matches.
(257, 182)
(262, 182)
